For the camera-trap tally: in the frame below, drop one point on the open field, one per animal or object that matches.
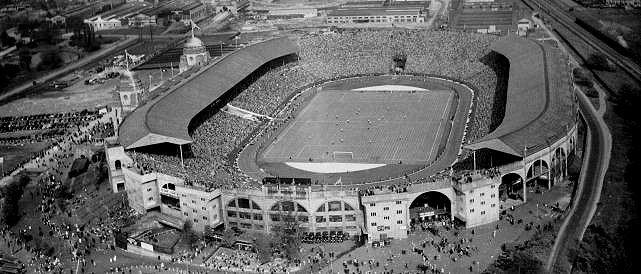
(14, 155)
(375, 126)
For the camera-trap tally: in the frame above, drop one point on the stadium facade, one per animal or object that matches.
(539, 131)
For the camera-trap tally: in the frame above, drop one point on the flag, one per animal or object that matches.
(339, 181)
(1, 160)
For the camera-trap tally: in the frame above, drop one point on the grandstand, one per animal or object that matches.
(165, 120)
(539, 107)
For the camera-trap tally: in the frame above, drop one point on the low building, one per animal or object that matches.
(233, 6)
(142, 20)
(624, 3)
(292, 13)
(193, 12)
(376, 15)
(98, 23)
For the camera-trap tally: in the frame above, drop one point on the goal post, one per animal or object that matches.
(342, 155)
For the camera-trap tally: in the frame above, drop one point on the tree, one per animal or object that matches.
(50, 60)
(598, 61)
(263, 246)
(229, 238)
(24, 56)
(12, 194)
(7, 40)
(287, 234)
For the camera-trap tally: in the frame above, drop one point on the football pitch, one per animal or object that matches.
(387, 127)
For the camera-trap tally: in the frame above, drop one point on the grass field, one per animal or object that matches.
(375, 126)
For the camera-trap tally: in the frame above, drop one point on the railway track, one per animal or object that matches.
(558, 14)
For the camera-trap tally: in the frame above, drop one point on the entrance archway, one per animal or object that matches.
(537, 174)
(511, 187)
(558, 162)
(431, 206)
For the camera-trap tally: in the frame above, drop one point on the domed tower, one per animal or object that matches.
(194, 53)
(129, 89)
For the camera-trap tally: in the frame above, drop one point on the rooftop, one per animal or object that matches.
(166, 118)
(539, 106)
(375, 11)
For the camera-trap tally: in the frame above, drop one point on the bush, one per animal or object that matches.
(12, 194)
(50, 60)
(598, 61)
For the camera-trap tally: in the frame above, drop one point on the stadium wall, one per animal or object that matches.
(381, 214)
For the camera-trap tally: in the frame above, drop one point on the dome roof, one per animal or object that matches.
(193, 42)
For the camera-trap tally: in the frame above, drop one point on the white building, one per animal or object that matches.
(194, 54)
(98, 23)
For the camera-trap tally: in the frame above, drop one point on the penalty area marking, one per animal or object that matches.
(330, 167)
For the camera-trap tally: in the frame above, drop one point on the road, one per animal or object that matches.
(595, 164)
(121, 45)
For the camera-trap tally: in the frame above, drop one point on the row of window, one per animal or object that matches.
(262, 227)
(482, 211)
(203, 217)
(290, 206)
(373, 214)
(398, 222)
(373, 17)
(300, 218)
(386, 208)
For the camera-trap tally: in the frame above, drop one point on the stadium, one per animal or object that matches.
(337, 128)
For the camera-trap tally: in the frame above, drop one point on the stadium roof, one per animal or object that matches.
(539, 107)
(166, 118)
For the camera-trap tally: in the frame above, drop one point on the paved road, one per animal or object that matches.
(67, 69)
(595, 164)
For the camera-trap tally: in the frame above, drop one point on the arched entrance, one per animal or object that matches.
(537, 174)
(431, 206)
(558, 163)
(511, 187)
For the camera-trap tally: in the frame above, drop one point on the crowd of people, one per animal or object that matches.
(89, 127)
(324, 57)
(245, 261)
(42, 127)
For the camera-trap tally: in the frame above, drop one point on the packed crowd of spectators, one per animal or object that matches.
(322, 58)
